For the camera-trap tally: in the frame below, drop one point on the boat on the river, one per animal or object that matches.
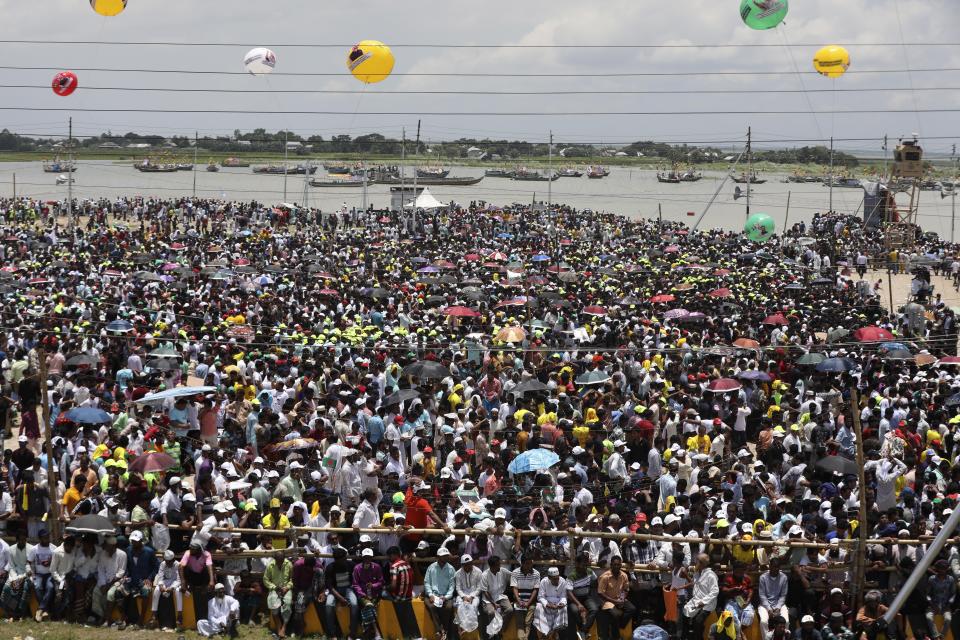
(595, 173)
(433, 172)
(753, 178)
(499, 173)
(431, 182)
(234, 163)
(58, 166)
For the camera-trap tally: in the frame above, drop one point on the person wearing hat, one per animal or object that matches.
(166, 584)
(438, 591)
(138, 583)
(275, 520)
(368, 585)
(197, 577)
(836, 628)
(703, 598)
(111, 571)
(550, 617)
(278, 583)
(338, 580)
(223, 613)
(468, 583)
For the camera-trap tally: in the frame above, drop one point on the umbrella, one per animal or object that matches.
(426, 369)
(511, 334)
(810, 359)
(952, 401)
(872, 334)
(529, 386)
(663, 297)
(720, 350)
(165, 351)
(724, 385)
(746, 343)
(759, 376)
(836, 365)
(533, 460)
(630, 301)
(672, 314)
(81, 360)
(119, 326)
(776, 319)
(593, 377)
(838, 464)
(89, 415)
(948, 360)
(541, 257)
(152, 462)
(567, 276)
(294, 444)
(923, 359)
(176, 392)
(461, 312)
(91, 524)
(148, 276)
(722, 292)
(822, 282)
(837, 334)
(894, 346)
(595, 311)
(400, 396)
(898, 354)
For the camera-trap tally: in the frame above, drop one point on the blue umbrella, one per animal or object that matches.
(760, 376)
(541, 257)
(89, 415)
(836, 365)
(894, 346)
(176, 392)
(120, 326)
(533, 460)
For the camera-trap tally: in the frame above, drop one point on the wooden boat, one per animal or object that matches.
(753, 179)
(148, 166)
(57, 166)
(335, 183)
(843, 183)
(213, 167)
(336, 168)
(430, 182)
(272, 169)
(569, 173)
(534, 176)
(499, 173)
(234, 163)
(433, 173)
(596, 173)
(671, 177)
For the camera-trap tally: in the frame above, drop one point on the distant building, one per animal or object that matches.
(475, 153)
(138, 145)
(294, 145)
(108, 145)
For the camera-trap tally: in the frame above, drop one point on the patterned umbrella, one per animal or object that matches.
(151, 462)
(511, 334)
(724, 385)
(294, 444)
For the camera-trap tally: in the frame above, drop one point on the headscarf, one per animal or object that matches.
(725, 628)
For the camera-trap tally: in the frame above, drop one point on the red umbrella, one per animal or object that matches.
(241, 262)
(746, 343)
(461, 312)
(672, 249)
(328, 292)
(444, 264)
(472, 257)
(721, 293)
(497, 255)
(724, 385)
(872, 334)
(722, 272)
(152, 462)
(949, 360)
(512, 302)
(776, 318)
(595, 311)
(663, 297)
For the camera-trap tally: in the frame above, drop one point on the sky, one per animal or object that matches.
(905, 29)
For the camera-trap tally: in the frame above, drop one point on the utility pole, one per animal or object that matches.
(953, 194)
(70, 181)
(861, 562)
(550, 174)
(416, 149)
(196, 145)
(749, 165)
(831, 175)
(54, 524)
(786, 216)
(14, 186)
(285, 151)
(885, 155)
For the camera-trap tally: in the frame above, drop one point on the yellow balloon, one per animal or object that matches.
(832, 61)
(370, 61)
(108, 7)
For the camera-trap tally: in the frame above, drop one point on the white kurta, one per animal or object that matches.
(469, 585)
(218, 615)
(546, 620)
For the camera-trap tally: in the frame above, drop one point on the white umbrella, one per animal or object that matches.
(425, 201)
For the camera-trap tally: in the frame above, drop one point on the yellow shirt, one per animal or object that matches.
(282, 524)
(70, 499)
(700, 444)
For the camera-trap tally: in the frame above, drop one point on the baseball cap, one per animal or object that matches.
(500, 513)
(465, 558)
(22, 439)
(136, 536)
(805, 619)
(443, 552)
(553, 572)
(368, 553)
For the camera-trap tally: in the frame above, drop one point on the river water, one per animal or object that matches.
(631, 192)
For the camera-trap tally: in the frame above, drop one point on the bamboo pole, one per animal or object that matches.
(861, 562)
(53, 516)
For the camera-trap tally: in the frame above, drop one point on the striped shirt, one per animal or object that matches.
(526, 584)
(401, 571)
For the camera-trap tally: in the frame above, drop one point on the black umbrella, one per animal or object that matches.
(529, 386)
(91, 524)
(81, 360)
(426, 369)
(400, 396)
(838, 464)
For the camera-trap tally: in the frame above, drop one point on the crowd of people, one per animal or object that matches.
(267, 418)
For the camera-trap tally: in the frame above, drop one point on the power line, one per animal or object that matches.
(488, 75)
(421, 45)
(46, 87)
(481, 113)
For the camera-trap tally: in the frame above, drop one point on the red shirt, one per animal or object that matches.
(401, 571)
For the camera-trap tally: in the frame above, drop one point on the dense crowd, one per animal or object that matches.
(213, 380)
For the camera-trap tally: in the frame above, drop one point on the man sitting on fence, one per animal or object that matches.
(223, 611)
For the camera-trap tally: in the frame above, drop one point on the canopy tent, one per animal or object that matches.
(425, 201)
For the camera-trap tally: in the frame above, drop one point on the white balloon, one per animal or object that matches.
(260, 61)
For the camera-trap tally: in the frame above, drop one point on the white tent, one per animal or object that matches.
(425, 201)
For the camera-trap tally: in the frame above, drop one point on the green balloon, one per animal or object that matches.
(763, 14)
(760, 227)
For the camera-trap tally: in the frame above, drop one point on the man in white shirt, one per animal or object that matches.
(18, 588)
(111, 570)
(223, 612)
(367, 515)
(62, 568)
(166, 583)
(703, 599)
(40, 558)
(468, 581)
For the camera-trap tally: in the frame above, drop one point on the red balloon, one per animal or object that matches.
(64, 83)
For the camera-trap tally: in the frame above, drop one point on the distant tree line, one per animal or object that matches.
(374, 144)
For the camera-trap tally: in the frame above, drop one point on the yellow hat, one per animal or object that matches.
(275, 503)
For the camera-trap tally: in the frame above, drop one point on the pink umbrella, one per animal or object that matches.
(497, 255)
(153, 462)
(595, 311)
(672, 249)
(472, 257)
(724, 385)
(241, 262)
(721, 293)
(328, 292)
(461, 312)
(776, 319)
(872, 334)
(949, 360)
(663, 297)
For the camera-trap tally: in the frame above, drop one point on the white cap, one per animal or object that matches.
(219, 585)
(670, 519)
(805, 619)
(747, 527)
(423, 545)
(168, 555)
(136, 536)
(578, 450)
(316, 476)
(174, 480)
(553, 572)
(189, 498)
(365, 538)
(500, 513)
(656, 521)
(795, 530)
(443, 552)
(81, 449)
(22, 439)
(619, 443)
(295, 465)
(465, 558)
(206, 447)
(368, 552)
(743, 453)
(258, 460)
